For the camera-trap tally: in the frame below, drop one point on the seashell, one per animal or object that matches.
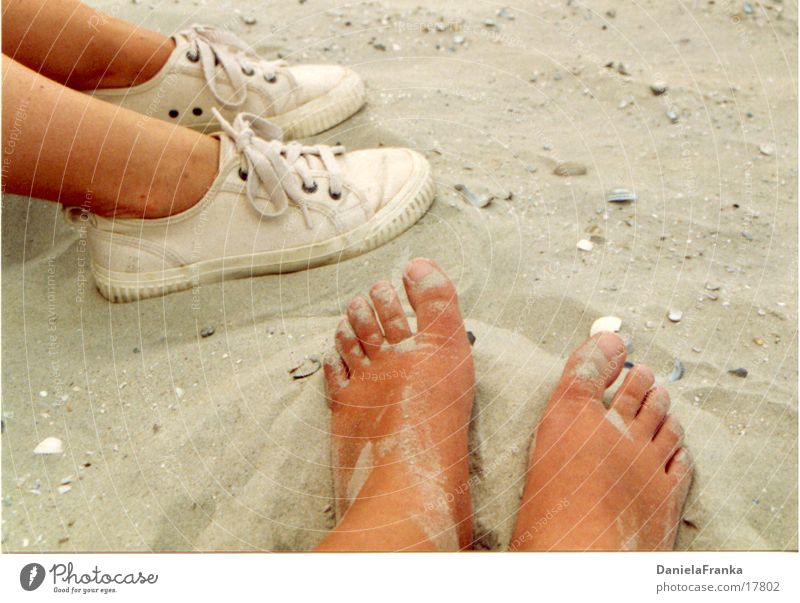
(606, 323)
(306, 369)
(585, 245)
(621, 195)
(569, 168)
(49, 445)
(677, 371)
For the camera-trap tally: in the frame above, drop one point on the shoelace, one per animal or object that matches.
(216, 47)
(267, 161)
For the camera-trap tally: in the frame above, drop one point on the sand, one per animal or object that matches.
(177, 442)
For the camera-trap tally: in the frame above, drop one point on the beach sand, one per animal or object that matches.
(177, 442)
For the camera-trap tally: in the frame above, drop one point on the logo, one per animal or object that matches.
(31, 576)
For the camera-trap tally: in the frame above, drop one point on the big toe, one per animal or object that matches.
(591, 369)
(433, 298)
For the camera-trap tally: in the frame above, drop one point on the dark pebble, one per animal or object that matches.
(739, 372)
(206, 331)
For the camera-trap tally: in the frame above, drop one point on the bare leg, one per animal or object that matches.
(79, 46)
(65, 146)
(604, 478)
(400, 408)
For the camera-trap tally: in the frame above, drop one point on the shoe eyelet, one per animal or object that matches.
(334, 196)
(242, 174)
(197, 111)
(192, 56)
(173, 113)
(248, 72)
(271, 79)
(311, 189)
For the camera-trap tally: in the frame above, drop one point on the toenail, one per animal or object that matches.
(419, 269)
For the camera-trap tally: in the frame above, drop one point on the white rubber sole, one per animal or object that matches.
(316, 116)
(389, 222)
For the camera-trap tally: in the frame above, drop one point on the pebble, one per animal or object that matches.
(49, 445)
(585, 245)
(64, 489)
(758, 341)
(459, 40)
(747, 235)
(43, 394)
(672, 116)
(621, 195)
(504, 13)
(766, 149)
(713, 286)
(179, 392)
(658, 88)
(569, 168)
(249, 20)
(478, 201)
(206, 331)
(739, 372)
(675, 315)
(748, 8)
(610, 324)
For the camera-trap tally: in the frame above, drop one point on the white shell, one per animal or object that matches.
(606, 323)
(49, 446)
(675, 315)
(585, 245)
(64, 489)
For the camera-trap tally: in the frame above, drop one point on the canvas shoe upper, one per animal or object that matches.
(274, 207)
(213, 68)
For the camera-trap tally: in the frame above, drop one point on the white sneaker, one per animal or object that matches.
(273, 208)
(213, 68)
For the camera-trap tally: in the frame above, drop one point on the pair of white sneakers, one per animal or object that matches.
(274, 206)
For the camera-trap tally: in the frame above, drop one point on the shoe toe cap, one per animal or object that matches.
(381, 175)
(314, 81)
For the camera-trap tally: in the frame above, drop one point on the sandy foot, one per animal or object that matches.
(401, 404)
(604, 478)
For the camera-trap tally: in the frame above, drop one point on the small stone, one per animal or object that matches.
(379, 46)
(249, 20)
(675, 315)
(179, 392)
(766, 149)
(621, 195)
(207, 331)
(307, 368)
(460, 40)
(712, 296)
(64, 489)
(761, 312)
(622, 69)
(471, 337)
(585, 245)
(43, 394)
(672, 116)
(748, 8)
(489, 23)
(747, 235)
(547, 147)
(658, 88)
(49, 445)
(504, 13)
(713, 286)
(739, 372)
(569, 168)
(758, 341)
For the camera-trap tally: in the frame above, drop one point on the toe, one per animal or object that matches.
(681, 468)
(668, 438)
(652, 412)
(630, 394)
(335, 376)
(348, 347)
(433, 298)
(591, 369)
(390, 312)
(366, 326)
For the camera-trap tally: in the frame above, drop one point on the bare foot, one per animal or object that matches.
(401, 404)
(598, 478)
